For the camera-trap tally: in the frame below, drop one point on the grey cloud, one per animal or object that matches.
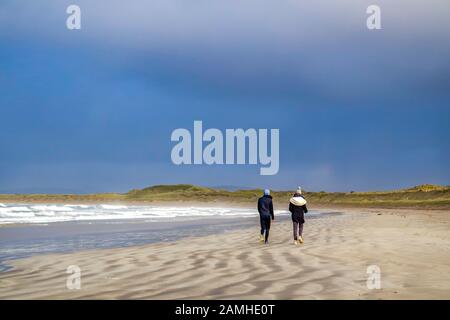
(276, 48)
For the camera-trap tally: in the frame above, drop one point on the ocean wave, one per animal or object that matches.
(15, 209)
(51, 208)
(74, 212)
(112, 207)
(83, 206)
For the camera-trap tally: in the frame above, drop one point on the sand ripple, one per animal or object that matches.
(412, 251)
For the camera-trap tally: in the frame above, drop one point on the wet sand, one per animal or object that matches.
(411, 248)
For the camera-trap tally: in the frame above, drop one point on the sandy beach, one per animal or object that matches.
(411, 248)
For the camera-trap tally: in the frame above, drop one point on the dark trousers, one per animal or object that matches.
(265, 227)
(298, 229)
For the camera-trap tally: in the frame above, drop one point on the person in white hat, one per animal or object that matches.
(297, 206)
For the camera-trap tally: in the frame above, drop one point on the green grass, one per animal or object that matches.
(423, 196)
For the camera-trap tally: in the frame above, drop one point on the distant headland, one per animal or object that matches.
(421, 196)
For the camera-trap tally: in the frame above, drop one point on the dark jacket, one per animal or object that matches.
(298, 212)
(265, 207)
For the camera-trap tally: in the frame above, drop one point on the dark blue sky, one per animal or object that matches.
(92, 110)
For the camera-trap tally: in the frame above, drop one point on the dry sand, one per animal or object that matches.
(411, 247)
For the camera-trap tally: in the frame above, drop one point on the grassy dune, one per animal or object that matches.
(423, 196)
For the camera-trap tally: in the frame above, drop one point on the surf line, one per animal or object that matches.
(255, 141)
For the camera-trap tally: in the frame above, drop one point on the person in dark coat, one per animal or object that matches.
(265, 209)
(297, 206)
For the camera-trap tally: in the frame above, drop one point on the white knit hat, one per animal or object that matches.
(299, 190)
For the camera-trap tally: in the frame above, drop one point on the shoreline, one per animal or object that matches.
(412, 248)
(114, 233)
(76, 236)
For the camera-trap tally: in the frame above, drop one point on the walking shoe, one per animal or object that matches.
(300, 239)
(296, 242)
(261, 238)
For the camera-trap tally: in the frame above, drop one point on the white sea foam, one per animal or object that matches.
(14, 213)
(83, 206)
(15, 209)
(2, 205)
(113, 207)
(51, 208)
